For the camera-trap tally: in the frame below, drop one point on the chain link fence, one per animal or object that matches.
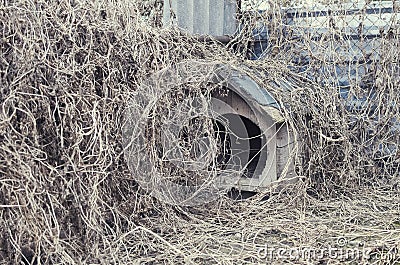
(350, 50)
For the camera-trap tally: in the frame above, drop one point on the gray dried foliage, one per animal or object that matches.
(67, 72)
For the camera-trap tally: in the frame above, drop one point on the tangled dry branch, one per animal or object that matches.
(68, 71)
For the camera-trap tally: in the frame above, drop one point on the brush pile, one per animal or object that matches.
(69, 69)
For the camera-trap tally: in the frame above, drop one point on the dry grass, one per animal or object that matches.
(68, 70)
